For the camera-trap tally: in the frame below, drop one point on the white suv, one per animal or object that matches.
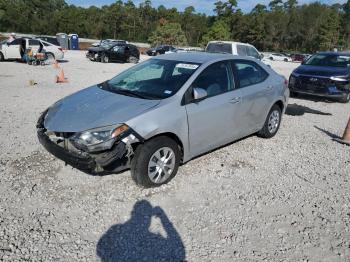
(17, 48)
(234, 48)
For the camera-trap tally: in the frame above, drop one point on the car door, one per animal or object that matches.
(13, 49)
(256, 93)
(117, 53)
(34, 45)
(213, 121)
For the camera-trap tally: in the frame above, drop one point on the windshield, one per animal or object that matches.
(219, 48)
(153, 79)
(332, 60)
(107, 45)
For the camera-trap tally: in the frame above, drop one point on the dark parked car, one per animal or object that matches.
(114, 52)
(298, 57)
(160, 50)
(325, 74)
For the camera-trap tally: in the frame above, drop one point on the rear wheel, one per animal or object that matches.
(285, 60)
(345, 99)
(50, 57)
(133, 59)
(272, 123)
(156, 162)
(271, 58)
(2, 57)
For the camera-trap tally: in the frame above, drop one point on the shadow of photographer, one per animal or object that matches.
(132, 241)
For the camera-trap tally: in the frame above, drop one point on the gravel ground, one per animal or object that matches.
(283, 199)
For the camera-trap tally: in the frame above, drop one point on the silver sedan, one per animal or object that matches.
(162, 113)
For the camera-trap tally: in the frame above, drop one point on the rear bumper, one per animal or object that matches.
(113, 160)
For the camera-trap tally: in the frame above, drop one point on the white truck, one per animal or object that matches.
(17, 48)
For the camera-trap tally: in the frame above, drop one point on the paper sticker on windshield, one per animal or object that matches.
(168, 92)
(187, 66)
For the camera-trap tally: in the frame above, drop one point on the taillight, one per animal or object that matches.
(60, 49)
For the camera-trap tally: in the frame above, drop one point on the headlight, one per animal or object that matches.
(295, 74)
(98, 139)
(339, 78)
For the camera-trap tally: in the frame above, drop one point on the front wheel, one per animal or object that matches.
(156, 162)
(345, 99)
(2, 57)
(272, 123)
(105, 59)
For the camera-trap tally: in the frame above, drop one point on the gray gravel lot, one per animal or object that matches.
(283, 199)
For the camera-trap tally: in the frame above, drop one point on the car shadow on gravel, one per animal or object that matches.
(331, 135)
(299, 110)
(132, 241)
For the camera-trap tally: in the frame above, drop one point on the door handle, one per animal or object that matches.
(269, 88)
(235, 100)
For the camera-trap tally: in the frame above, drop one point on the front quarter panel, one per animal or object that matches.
(168, 117)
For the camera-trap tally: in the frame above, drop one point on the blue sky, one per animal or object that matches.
(202, 6)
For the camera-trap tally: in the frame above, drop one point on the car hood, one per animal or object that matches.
(321, 71)
(94, 107)
(96, 49)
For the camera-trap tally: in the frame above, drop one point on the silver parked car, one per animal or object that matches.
(164, 112)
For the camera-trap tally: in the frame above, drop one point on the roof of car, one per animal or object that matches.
(195, 57)
(334, 53)
(229, 42)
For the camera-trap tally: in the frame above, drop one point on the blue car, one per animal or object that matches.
(325, 74)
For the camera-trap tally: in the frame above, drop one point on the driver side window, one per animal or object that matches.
(215, 79)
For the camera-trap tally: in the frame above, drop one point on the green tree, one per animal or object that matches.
(169, 33)
(218, 31)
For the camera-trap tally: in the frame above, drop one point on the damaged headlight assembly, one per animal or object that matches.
(98, 139)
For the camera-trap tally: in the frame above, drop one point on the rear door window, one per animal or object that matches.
(33, 42)
(252, 52)
(248, 73)
(219, 48)
(241, 50)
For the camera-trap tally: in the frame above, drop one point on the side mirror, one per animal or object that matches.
(199, 93)
(261, 56)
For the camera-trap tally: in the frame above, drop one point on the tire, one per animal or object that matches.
(285, 60)
(345, 99)
(50, 56)
(143, 165)
(105, 59)
(271, 58)
(293, 94)
(2, 57)
(272, 123)
(133, 59)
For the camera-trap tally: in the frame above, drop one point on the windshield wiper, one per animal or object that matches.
(128, 93)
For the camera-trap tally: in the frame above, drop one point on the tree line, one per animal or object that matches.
(281, 25)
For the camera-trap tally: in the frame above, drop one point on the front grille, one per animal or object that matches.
(314, 83)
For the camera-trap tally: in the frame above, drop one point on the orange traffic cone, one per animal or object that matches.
(346, 136)
(60, 78)
(55, 64)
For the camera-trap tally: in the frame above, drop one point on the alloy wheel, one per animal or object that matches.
(274, 121)
(161, 165)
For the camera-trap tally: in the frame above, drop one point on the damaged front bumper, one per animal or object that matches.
(93, 56)
(115, 160)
